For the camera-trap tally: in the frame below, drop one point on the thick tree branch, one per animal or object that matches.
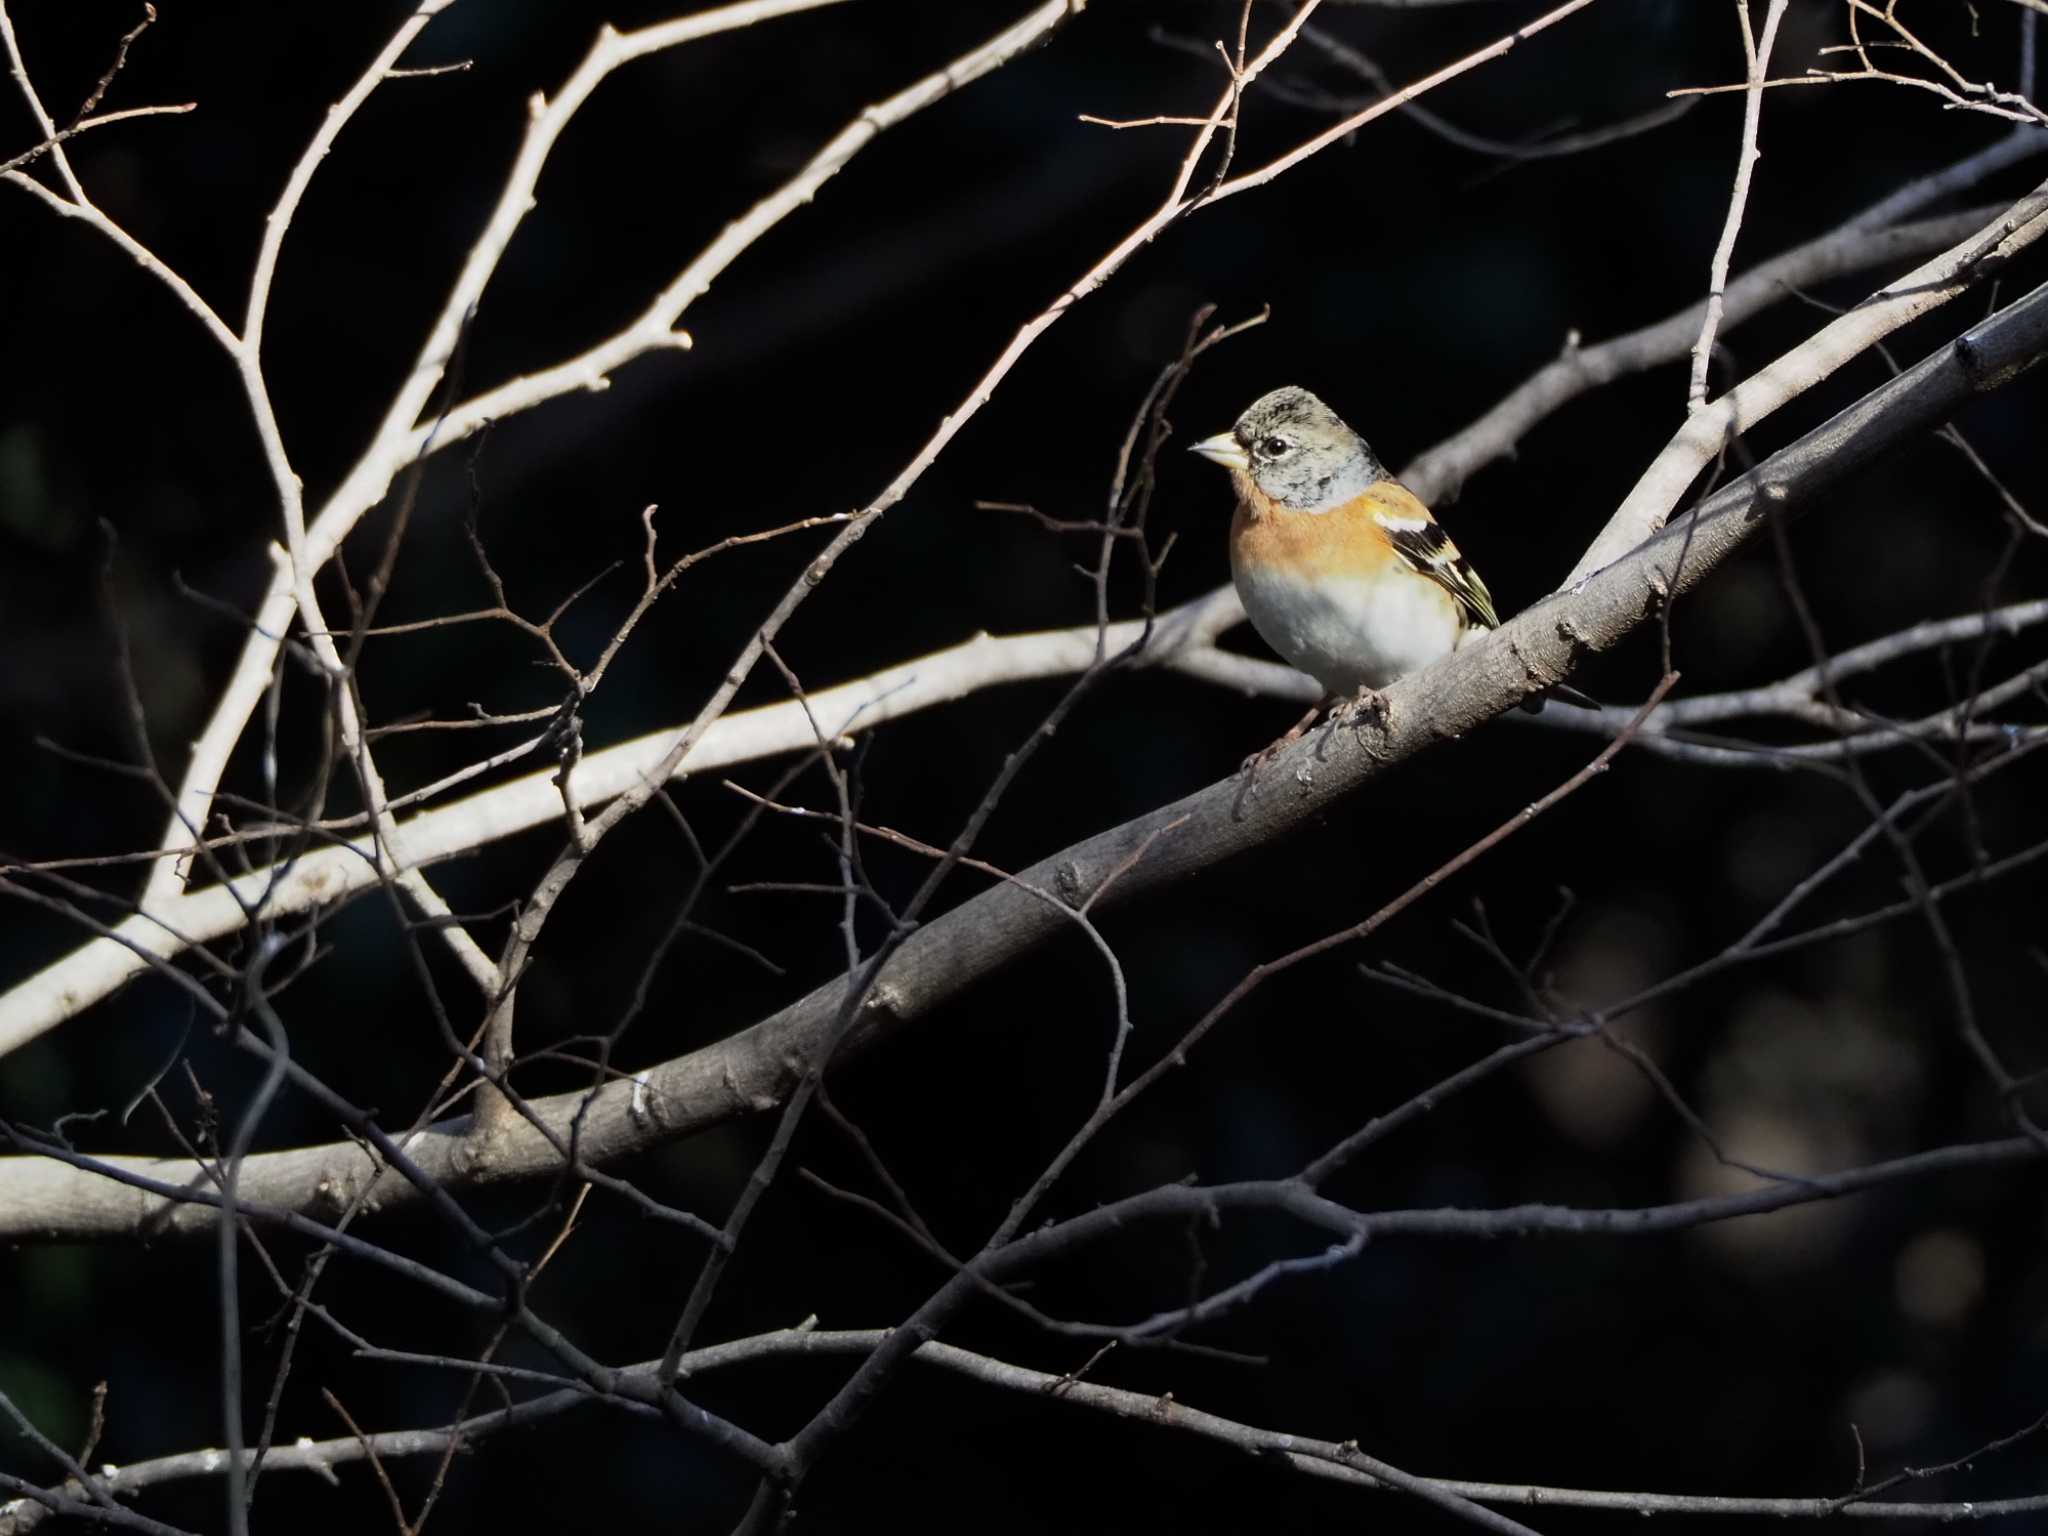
(1183, 641)
(1709, 429)
(159, 933)
(751, 1070)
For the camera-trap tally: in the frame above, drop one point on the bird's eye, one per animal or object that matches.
(1273, 447)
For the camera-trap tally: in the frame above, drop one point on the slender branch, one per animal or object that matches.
(1861, 243)
(86, 125)
(398, 441)
(1757, 53)
(1345, 127)
(1342, 1461)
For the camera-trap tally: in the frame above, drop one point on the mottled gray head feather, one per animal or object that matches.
(1302, 454)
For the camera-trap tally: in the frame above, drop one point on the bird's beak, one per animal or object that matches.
(1222, 449)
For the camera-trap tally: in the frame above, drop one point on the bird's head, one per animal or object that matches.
(1294, 450)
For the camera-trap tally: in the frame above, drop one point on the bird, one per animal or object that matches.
(1341, 568)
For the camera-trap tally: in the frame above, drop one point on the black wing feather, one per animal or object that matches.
(1430, 552)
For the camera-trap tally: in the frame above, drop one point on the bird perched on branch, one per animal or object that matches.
(1341, 567)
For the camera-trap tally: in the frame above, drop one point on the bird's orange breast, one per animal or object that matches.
(1344, 541)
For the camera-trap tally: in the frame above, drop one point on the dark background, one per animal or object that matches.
(1411, 282)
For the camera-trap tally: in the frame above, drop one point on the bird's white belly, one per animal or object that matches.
(1353, 632)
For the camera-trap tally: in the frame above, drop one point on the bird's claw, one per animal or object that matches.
(1368, 707)
(1249, 769)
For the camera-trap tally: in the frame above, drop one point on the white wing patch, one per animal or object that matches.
(1400, 524)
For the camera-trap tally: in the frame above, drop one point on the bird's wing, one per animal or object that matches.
(1428, 551)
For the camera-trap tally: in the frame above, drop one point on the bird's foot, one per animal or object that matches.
(1368, 707)
(1258, 760)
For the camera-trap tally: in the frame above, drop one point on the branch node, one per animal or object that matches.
(1067, 879)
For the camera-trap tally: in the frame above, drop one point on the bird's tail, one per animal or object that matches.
(1564, 693)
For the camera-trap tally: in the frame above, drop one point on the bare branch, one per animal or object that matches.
(1343, 1461)
(752, 1069)
(1757, 53)
(1926, 287)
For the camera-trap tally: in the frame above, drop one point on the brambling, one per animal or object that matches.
(1341, 567)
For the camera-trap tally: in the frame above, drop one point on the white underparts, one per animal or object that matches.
(1352, 632)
